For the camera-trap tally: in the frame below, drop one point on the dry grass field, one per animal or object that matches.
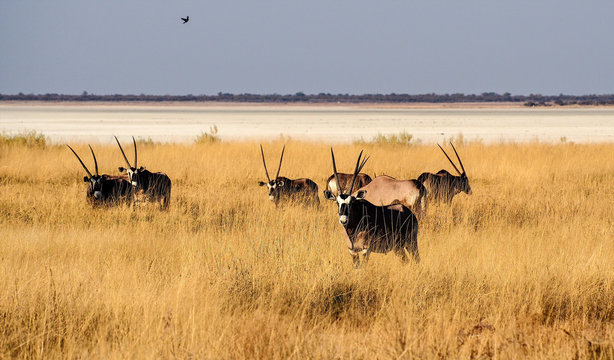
(524, 267)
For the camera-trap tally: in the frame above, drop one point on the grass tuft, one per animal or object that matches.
(402, 139)
(209, 137)
(31, 139)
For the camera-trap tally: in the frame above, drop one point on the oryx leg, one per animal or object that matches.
(412, 248)
(316, 200)
(166, 200)
(400, 252)
(355, 258)
(361, 246)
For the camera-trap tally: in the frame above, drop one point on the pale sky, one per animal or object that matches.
(285, 46)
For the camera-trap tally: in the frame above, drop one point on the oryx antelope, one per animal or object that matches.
(104, 189)
(345, 179)
(386, 190)
(155, 187)
(282, 189)
(371, 228)
(442, 187)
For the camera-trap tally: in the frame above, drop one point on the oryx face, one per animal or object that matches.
(95, 183)
(460, 183)
(94, 180)
(133, 174)
(344, 202)
(464, 184)
(274, 187)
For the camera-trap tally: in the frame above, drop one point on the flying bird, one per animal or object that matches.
(185, 19)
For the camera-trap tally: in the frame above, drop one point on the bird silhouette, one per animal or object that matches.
(185, 19)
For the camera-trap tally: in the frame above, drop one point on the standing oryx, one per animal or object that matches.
(104, 189)
(345, 179)
(283, 189)
(371, 228)
(442, 187)
(386, 190)
(155, 186)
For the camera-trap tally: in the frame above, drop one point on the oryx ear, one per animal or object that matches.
(261, 183)
(361, 194)
(86, 179)
(329, 195)
(121, 169)
(142, 168)
(280, 183)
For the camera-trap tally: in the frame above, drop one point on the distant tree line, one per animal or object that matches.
(323, 98)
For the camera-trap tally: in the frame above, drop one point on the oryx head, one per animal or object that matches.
(345, 200)
(274, 186)
(95, 181)
(133, 172)
(460, 183)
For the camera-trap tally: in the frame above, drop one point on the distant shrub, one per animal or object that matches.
(208, 137)
(458, 140)
(402, 138)
(145, 142)
(28, 139)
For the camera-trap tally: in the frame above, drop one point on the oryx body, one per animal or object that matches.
(443, 186)
(156, 187)
(105, 189)
(345, 180)
(371, 228)
(281, 189)
(386, 190)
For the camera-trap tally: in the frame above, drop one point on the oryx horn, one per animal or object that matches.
(339, 192)
(359, 166)
(78, 158)
(122, 150)
(280, 160)
(451, 162)
(134, 142)
(264, 163)
(94, 156)
(458, 157)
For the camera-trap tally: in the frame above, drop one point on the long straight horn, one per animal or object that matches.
(122, 150)
(357, 169)
(264, 163)
(82, 164)
(451, 162)
(459, 160)
(134, 142)
(280, 160)
(362, 164)
(95, 162)
(339, 190)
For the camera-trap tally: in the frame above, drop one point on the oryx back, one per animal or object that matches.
(386, 190)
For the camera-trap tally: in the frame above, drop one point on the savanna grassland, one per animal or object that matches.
(524, 267)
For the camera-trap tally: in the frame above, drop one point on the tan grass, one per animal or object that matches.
(522, 268)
